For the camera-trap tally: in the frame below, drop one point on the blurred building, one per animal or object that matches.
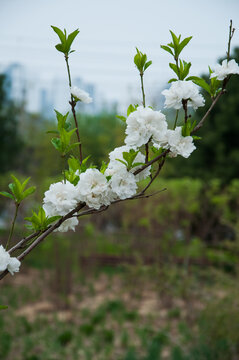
(39, 95)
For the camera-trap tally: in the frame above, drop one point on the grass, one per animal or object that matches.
(106, 318)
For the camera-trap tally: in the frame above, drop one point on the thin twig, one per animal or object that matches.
(13, 224)
(201, 122)
(160, 165)
(231, 33)
(152, 161)
(43, 235)
(22, 242)
(176, 119)
(185, 108)
(73, 105)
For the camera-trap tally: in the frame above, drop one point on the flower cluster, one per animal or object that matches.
(7, 262)
(183, 90)
(144, 125)
(227, 68)
(80, 95)
(60, 199)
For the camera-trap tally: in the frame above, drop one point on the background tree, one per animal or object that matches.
(11, 143)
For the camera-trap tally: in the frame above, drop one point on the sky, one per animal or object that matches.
(109, 33)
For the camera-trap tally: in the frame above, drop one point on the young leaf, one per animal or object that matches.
(70, 40)
(59, 33)
(174, 68)
(28, 192)
(200, 82)
(6, 194)
(131, 109)
(167, 48)
(122, 118)
(184, 43)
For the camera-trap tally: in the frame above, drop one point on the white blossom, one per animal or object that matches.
(143, 125)
(117, 153)
(179, 144)
(68, 224)
(7, 262)
(60, 199)
(93, 189)
(183, 90)
(227, 68)
(122, 183)
(81, 95)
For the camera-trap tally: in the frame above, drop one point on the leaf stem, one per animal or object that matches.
(13, 224)
(143, 95)
(176, 119)
(142, 87)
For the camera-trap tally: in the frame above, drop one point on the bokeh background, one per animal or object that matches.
(146, 280)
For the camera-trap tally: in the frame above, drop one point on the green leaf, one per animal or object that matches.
(172, 80)
(6, 194)
(25, 183)
(52, 219)
(131, 109)
(28, 192)
(174, 68)
(56, 142)
(175, 39)
(147, 65)
(184, 43)
(60, 33)
(70, 40)
(123, 118)
(123, 162)
(200, 82)
(103, 167)
(3, 307)
(60, 48)
(167, 48)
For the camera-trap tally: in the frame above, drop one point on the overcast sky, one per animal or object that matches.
(109, 32)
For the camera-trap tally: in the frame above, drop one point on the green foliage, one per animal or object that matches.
(176, 46)
(129, 158)
(65, 40)
(212, 89)
(141, 62)
(63, 142)
(76, 166)
(65, 337)
(40, 221)
(18, 192)
(188, 127)
(3, 307)
(181, 71)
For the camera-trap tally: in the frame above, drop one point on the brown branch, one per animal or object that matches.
(160, 165)
(231, 33)
(222, 92)
(21, 243)
(185, 108)
(43, 235)
(163, 154)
